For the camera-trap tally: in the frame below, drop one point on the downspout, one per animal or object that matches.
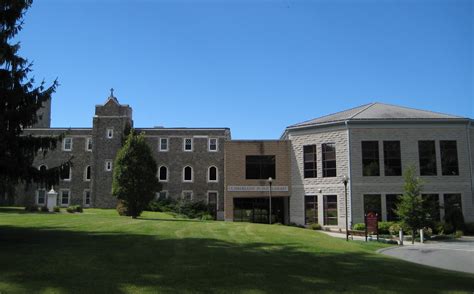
(349, 167)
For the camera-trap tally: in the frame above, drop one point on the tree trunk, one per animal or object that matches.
(413, 233)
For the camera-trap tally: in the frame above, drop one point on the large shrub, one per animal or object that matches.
(384, 227)
(134, 176)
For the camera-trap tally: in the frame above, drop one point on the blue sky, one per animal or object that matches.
(253, 66)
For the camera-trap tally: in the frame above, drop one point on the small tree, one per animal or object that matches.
(134, 176)
(410, 208)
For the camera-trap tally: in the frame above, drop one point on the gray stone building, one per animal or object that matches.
(190, 160)
(372, 145)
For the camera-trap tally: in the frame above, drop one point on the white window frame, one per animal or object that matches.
(217, 197)
(88, 139)
(209, 145)
(158, 194)
(64, 144)
(70, 175)
(167, 144)
(45, 197)
(85, 173)
(209, 174)
(84, 198)
(106, 165)
(167, 174)
(109, 134)
(61, 197)
(184, 145)
(184, 174)
(187, 191)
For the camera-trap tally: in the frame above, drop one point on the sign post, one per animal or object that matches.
(371, 224)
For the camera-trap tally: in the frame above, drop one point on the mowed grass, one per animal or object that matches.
(100, 252)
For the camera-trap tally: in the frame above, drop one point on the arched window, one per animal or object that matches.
(212, 174)
(187, 174)
(42, 168)
(163, 174)
(87, 173)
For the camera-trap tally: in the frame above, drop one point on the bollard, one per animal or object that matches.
(421, 236)
(400, 235)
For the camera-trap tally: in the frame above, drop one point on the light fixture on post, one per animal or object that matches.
(270, 180)
(345, 179)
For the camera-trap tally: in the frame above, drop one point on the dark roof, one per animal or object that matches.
(378, 111)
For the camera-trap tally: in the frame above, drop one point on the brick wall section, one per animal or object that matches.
(318, 186)
(409, 135)
(235, 153)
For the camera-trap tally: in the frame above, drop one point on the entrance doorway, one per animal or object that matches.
(256, 210)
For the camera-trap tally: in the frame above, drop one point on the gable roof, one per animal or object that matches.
(377, 111)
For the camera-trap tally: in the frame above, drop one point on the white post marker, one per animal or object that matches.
(52, 199)
(421, 236)
(400, 236)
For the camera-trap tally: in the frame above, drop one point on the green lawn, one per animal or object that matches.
(100, 252)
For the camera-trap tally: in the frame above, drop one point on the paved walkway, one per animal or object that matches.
(456, 255)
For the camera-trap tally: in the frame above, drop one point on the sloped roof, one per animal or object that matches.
(377, 111)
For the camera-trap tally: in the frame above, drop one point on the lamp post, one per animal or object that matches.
(270, 180)
(345, 179)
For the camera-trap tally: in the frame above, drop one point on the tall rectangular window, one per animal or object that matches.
(41, 197)
(64, 197)
(188, 144)
(373, 203)
(311, 209)
(65, 173)
(449, 158)
(309, 161)
(67, 144)
(452, 208)
(391, 201)
(427, 155)
(370, 158)
(87, 198)
(260, 167)
(431, 205)
(392, 158)
(330, 210)
(89, 144)
(212, 144)
(163, 144)
(329, 160)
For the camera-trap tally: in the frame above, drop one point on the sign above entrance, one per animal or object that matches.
(257, 188)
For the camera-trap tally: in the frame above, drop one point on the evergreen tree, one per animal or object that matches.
(134, 176)
(20, 100)
(410, 208)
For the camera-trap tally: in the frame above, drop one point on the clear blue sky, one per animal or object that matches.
(253, 66)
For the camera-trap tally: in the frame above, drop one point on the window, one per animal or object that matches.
(449, 158)
(65, 173)
(370, 158)
(64, 197)
(329, 160)
(108, 165)
(89, 144)
(187, 195)
(311, 209)
(187, 174)
(87, 173)
(330, 210)
(453, 209)
(392, 158)
(110, 133)
(163, 174)
(212, 144)
(309, 161)
(41, 197)
(212, 203)
(188, 144)
(431, 205)
(427, 154)
(259, 167)
(212, 174)
(67, 144)
(162, 195)
(42, 168)
(163, 144)
(391, 202)
(87, 198)
(373, 203)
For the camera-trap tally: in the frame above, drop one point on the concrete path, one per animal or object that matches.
(456, 255)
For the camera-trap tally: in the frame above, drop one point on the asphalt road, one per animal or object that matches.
(455, 255)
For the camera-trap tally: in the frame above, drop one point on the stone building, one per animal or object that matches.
(372, 145)
(190, 160)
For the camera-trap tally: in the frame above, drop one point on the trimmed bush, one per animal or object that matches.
(394, 229)
(71, 209)
(443, 228)
(458, 234)
(56, 209)
(359, 227)
(315, 227)
(384, 227)
(44, 209)
(206, 217)
(78, 208)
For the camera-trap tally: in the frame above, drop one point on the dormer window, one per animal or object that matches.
(110, 133)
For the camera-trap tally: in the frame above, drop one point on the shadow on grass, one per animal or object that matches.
(168, 219)
(35, 260)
